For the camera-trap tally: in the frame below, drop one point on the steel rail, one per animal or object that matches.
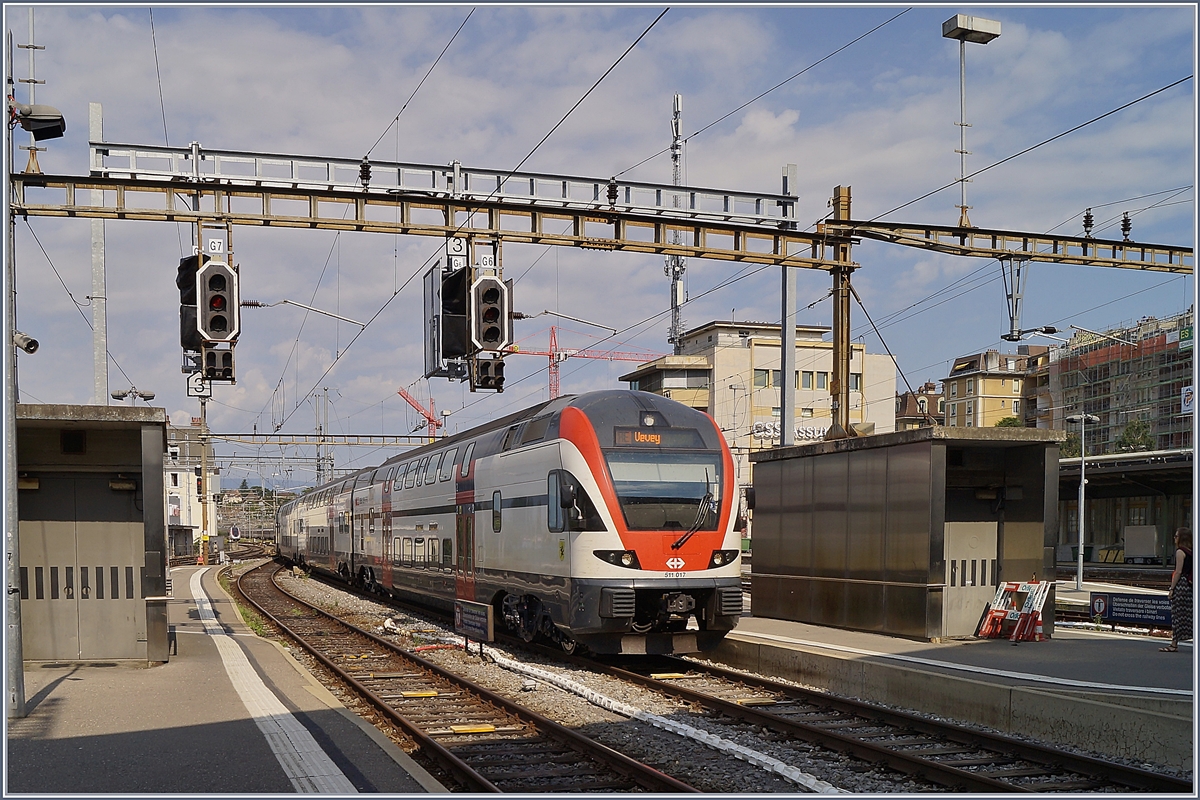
(1055, 758)
(641, 774)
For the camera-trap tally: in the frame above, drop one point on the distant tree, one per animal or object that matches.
(1136, 436)
(1010, 422)
(1070, 448)
(244, 485)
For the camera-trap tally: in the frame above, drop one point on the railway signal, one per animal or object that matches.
(487, 374)
(490, 321)
(218, 319)
(185, 279)
(217, 363)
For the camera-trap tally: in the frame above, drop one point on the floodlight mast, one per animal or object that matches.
(965, 29)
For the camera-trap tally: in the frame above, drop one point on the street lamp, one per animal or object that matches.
(1083, 420)
(980, 31)
(133, 393)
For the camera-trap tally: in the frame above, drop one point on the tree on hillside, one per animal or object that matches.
(1070, 448)
(244, 485)
(1009, 422)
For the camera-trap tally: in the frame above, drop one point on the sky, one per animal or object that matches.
(879, 116)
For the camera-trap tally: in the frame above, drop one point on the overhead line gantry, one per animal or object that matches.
(196, 185)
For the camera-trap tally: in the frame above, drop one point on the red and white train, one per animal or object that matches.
(604, 519)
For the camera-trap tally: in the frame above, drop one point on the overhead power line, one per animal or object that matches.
(1031, 148)
(433, 255)
(754, 99)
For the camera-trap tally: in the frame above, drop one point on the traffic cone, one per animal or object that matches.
(1038, 634)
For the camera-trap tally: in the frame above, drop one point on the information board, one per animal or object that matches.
(474, 620)
(1145, 609)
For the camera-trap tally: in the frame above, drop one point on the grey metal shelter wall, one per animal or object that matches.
(855, 534)
(92, 532)
(844, 539)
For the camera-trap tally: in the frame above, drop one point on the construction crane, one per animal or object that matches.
(558, 355)
(429, 414)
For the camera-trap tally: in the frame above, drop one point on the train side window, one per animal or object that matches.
(406, 550)
(398, 482)
(435, 462)
(447, 470)
(554, 512)
(396, 550)
(434, 559)
(447, 554)
(421, 470)
(466, 461)
(510, 437)
(497, 504)
(412, 475)
(535, 430)
(419, 552)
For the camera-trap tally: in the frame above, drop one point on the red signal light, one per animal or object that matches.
(217, 302)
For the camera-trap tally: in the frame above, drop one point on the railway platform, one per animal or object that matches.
(230, 713)
(1110, 693)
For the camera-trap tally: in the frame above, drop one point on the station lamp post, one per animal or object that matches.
(965, 29)
(1083, 420)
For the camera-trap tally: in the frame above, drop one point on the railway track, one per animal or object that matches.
(943, 753)
(487, 743)
(959, 758)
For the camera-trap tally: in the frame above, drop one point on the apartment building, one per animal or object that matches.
(731, 370)
(181, 481)
(920, 408)
(984, 388)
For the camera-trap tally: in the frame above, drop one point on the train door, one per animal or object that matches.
(464, 563)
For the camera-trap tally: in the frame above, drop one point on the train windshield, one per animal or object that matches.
(667, 491)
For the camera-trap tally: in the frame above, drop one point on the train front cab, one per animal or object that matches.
(669, 581)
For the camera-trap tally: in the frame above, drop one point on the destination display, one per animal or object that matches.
(688, 438)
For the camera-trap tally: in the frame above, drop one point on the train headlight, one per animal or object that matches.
(619, 558)
(722, 557)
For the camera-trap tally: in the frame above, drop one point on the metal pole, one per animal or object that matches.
(963, 221)
(675, 265)
(1082, 506)
(99, 291)
(839, 388)
(14, 663)
(203, 481)
(787, 360)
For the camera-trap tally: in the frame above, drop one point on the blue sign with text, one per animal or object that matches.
(1146, 609)
(474, 620)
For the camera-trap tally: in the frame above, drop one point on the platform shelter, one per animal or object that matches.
(91, 534)
(904, 533)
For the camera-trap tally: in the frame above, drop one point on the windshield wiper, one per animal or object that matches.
(706, 505)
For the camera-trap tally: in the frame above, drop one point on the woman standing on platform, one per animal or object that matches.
(1181, 591)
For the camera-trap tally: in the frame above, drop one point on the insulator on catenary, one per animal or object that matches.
(1126, 226)
(1088, 221)
(364, 173)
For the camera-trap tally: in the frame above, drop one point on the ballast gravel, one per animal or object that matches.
(684, 759)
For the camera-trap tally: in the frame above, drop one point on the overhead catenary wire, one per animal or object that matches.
(78, 306)
(758, 97)
(420, 83)
(1031, 148)
(434, 254)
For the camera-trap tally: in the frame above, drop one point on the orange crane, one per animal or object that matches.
(557, 356)
(429, 414)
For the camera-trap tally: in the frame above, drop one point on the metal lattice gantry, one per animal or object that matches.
(191, 184)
